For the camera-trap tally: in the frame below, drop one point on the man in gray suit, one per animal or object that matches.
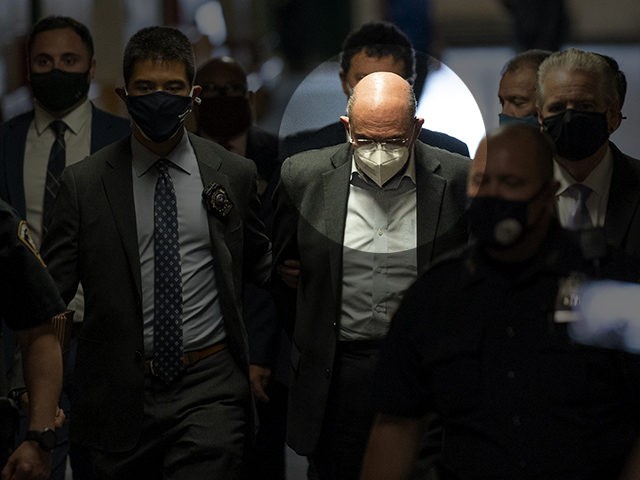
(355, 225)
(162, 229)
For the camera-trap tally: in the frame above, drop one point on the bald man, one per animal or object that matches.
(481, 340)
(355, 225)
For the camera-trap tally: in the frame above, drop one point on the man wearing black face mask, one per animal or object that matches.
(162, 230)
(61, 66)
(481, 339)
(225, 116)
(579, 103)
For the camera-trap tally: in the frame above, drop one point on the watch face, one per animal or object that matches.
(46, 438)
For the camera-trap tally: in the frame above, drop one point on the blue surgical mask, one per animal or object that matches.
(504, 119)
(159, 115)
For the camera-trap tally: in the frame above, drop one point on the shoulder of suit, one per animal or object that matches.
(22, 120)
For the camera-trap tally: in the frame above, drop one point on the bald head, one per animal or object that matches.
(383, 104)
(513, 162)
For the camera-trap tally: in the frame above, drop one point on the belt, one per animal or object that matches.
(191, 357)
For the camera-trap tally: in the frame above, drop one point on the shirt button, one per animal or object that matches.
(511, 332)
(511, 374)
(380, 232)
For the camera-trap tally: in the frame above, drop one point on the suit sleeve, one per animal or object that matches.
(285, 246)
(60, 245)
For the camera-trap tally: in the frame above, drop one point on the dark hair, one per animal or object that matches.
(529, 58)
(158, 44)
(379, 39)
(621, 79)
(55, 22)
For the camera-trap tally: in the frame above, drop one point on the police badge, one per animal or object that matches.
(216, 200)
(24, 235)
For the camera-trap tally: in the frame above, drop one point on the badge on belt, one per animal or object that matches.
(568, 298)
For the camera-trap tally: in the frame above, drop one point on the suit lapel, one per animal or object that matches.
(118, 186)
(14, 155)
(429, 197)
(624, 198)
(336, 195)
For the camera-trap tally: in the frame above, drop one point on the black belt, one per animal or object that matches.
(358, 345)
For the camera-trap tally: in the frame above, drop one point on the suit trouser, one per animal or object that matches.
(348, 415)
(194, 428)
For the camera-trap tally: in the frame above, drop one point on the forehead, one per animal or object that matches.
(522, 78)
(564, 84)
(507, 158)
(58, 41)
(159, 71)
(220, 74)
(362, 65)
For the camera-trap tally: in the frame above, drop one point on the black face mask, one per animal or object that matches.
(224, 117)
(499, 223)
(57, 90)
(159, 115)
(577, 134)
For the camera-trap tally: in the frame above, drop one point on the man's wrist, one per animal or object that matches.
(46, 439)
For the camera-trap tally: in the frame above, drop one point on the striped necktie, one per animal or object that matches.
(55, 166)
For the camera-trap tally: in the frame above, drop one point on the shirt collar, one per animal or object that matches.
(143, 158)
(74, 120)
(598, 180)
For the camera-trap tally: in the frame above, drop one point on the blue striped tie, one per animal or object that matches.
(55, 166)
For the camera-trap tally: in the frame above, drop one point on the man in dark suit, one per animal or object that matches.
(579, 105)
(374, 47)
(225, 115)
(61, 65)
(162, 229)
(355, 225)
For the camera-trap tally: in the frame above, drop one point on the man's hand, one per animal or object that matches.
(28, 462)
(289, 272)
(259, 377)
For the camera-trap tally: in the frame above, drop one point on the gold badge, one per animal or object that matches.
(24, 235)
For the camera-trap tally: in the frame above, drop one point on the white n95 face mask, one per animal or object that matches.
(380, 162)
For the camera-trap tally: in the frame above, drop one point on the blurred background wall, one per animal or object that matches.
(281, 41)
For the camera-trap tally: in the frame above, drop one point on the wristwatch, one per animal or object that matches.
(46, 438)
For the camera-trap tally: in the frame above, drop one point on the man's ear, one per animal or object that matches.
(345, 122)
(92, 69)
(614, 119)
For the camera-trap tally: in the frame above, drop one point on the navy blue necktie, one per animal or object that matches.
(55, 166)
(167, 329)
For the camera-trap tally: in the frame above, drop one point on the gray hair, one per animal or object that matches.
(575, 60)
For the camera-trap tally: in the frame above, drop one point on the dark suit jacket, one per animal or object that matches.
(334, 134)
(105, 129)
(622, 220)
(311, 203)
(92, 239)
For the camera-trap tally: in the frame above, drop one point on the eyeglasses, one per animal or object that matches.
(368, 142)
(227, 90)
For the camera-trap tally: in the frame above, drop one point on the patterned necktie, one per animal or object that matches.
(55, 166)
(579, 217)
(167, 329)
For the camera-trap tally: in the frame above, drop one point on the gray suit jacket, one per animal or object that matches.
(93, 240)
(311, 203)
